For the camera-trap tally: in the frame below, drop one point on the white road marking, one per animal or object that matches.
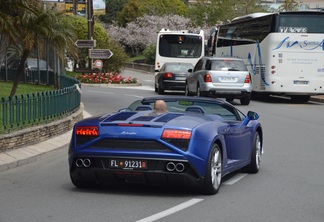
(141, 97)
(234, 179)
(170, 211)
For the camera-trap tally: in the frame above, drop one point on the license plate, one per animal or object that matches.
(299, 82)
(227, 79)
(180, 78)
(128, 164)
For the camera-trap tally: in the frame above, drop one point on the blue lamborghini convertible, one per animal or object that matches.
(195, 142)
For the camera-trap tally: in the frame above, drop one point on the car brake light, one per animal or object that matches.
(176, 134)
(167, 75)
(130, 124)
(208, 78)
(247, 79)
(87, 131)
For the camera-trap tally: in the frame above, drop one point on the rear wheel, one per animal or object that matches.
(200, 93)
(246, 99)
(254, 165)
(160, 91)
(187, 92)
(300, 98)
(213, 175)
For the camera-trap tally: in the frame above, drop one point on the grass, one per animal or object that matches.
(22, 89)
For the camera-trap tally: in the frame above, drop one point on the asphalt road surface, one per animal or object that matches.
(289, 186)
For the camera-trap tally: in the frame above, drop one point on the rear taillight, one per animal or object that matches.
(176, 134)
(247, 79)
(207, 78)
(167, 75)
(87, 131)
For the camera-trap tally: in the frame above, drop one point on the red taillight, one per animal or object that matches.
(176, 134)
(247, 79)
(208, 78)
(87, 131)
(167, 75)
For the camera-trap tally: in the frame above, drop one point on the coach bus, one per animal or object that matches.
(284, 51)
(184, 46)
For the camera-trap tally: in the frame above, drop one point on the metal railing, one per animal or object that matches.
(38, 108)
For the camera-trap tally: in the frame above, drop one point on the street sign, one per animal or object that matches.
(86, 70)
(100, 53)
(98, 63)
(85, 43)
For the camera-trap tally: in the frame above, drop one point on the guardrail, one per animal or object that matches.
(39, 108)
(140, 66)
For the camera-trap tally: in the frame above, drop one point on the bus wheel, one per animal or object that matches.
(300, 98)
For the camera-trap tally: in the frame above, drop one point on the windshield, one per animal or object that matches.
(183, 105)
(185, 46)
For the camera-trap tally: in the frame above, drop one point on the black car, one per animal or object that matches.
(172, 76)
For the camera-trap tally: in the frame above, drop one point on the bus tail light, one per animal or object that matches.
(273, 71)
(207, 78)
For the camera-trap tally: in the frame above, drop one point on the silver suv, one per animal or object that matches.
(221, 77)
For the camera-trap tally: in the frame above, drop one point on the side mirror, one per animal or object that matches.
(189, 70)
(157, 70)
(250, 116)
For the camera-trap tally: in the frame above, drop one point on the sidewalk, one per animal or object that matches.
(18, 157)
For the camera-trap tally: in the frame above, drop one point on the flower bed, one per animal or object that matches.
(112, 78)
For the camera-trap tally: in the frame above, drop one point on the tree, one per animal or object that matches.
(289, 5)
(113, 7)
(134, 9)
(30, 25)
(143, 31)
(9, 9)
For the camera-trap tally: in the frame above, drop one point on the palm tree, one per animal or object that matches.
(9, 9)
(35, 24)
(289, 5)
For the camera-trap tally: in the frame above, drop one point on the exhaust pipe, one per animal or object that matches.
(86, 162)
(83, 163)
(170, 166)
(179, 167)
(79, 163)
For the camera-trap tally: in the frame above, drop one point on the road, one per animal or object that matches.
(289, 186)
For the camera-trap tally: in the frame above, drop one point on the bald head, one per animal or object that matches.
(160, 107)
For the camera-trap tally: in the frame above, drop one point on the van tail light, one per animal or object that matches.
(87, 131)
(176, 134)
(167, 75)
(207, 78)
(247, 79)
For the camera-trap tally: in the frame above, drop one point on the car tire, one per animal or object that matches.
(213, 177)
(160, 91)
(199, 93)
(187, 92)
(229, 99)
(254, 165)
(155, 88)
(246, 99)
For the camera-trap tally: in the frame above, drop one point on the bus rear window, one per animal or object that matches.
(297, 23)
(180, 46)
